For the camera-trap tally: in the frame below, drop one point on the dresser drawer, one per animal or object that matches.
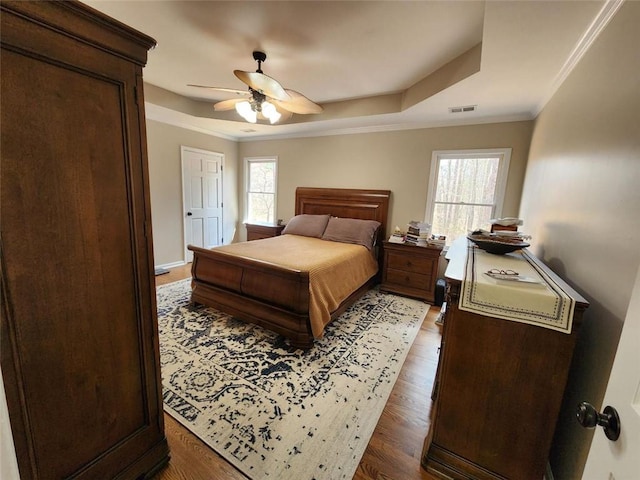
(409, 263)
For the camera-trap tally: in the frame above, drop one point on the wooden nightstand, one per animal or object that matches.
(410, 270)
(256, 231)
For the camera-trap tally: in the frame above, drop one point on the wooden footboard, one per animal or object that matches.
(280, 286)
(263, 293)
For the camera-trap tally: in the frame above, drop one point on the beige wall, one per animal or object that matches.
(581, 203)
(398, 161)
(165, 178)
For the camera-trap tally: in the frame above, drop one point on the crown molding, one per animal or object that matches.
(181, 120)
(606, 13)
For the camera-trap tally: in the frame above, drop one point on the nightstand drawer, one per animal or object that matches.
(409, 263)
(409, 279)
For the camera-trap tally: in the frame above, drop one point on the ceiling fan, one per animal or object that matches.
(265, 98)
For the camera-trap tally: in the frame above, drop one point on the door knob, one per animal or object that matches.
(589, 417)
(189, 214)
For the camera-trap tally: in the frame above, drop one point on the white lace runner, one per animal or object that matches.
(531, 296)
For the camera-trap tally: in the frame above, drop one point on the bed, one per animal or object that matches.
(270, 290)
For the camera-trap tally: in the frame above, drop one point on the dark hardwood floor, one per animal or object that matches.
(395, 447)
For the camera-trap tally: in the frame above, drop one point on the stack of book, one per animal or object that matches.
(418, 233)
(437, 240)
(396, 237)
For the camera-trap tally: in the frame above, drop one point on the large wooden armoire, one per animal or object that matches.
(80, 355)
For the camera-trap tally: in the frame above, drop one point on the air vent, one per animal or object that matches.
(465, 109)
(249, 130)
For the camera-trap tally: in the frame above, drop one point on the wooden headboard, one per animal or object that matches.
(346, 203)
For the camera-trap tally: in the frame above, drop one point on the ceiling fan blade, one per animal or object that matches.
(263, 83)
(222, 89)
(299, 104)
(227, 104)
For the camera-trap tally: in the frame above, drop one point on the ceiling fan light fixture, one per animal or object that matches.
(269, 110)
(252, 117)
(246, 111)
(243, 108)
(275, 117)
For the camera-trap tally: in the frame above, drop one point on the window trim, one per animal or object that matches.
(501, 182)
(261, 159)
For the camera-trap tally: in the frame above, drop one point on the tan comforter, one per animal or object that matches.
(335, 269)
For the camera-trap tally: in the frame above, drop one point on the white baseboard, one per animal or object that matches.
(172, 265)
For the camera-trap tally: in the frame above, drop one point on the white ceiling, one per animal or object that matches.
(359, 53)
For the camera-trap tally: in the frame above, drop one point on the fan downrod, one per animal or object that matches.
(259, 57)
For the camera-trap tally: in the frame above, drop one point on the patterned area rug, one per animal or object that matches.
(277, 412)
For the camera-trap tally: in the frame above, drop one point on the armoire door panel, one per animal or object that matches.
(79, 322)
(82, 225)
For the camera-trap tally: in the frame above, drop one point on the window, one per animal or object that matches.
(466, 190)
(261, 177)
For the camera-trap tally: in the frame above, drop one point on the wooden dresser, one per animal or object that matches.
(498, 389)
(410, 270)
(256, 231)
(80, 356)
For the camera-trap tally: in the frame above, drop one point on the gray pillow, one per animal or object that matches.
(307, 225)
(352, 230)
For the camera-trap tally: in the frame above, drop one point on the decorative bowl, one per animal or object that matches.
(497, 247)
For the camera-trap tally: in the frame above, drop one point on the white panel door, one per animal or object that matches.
(202, 198)
(620, 460)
